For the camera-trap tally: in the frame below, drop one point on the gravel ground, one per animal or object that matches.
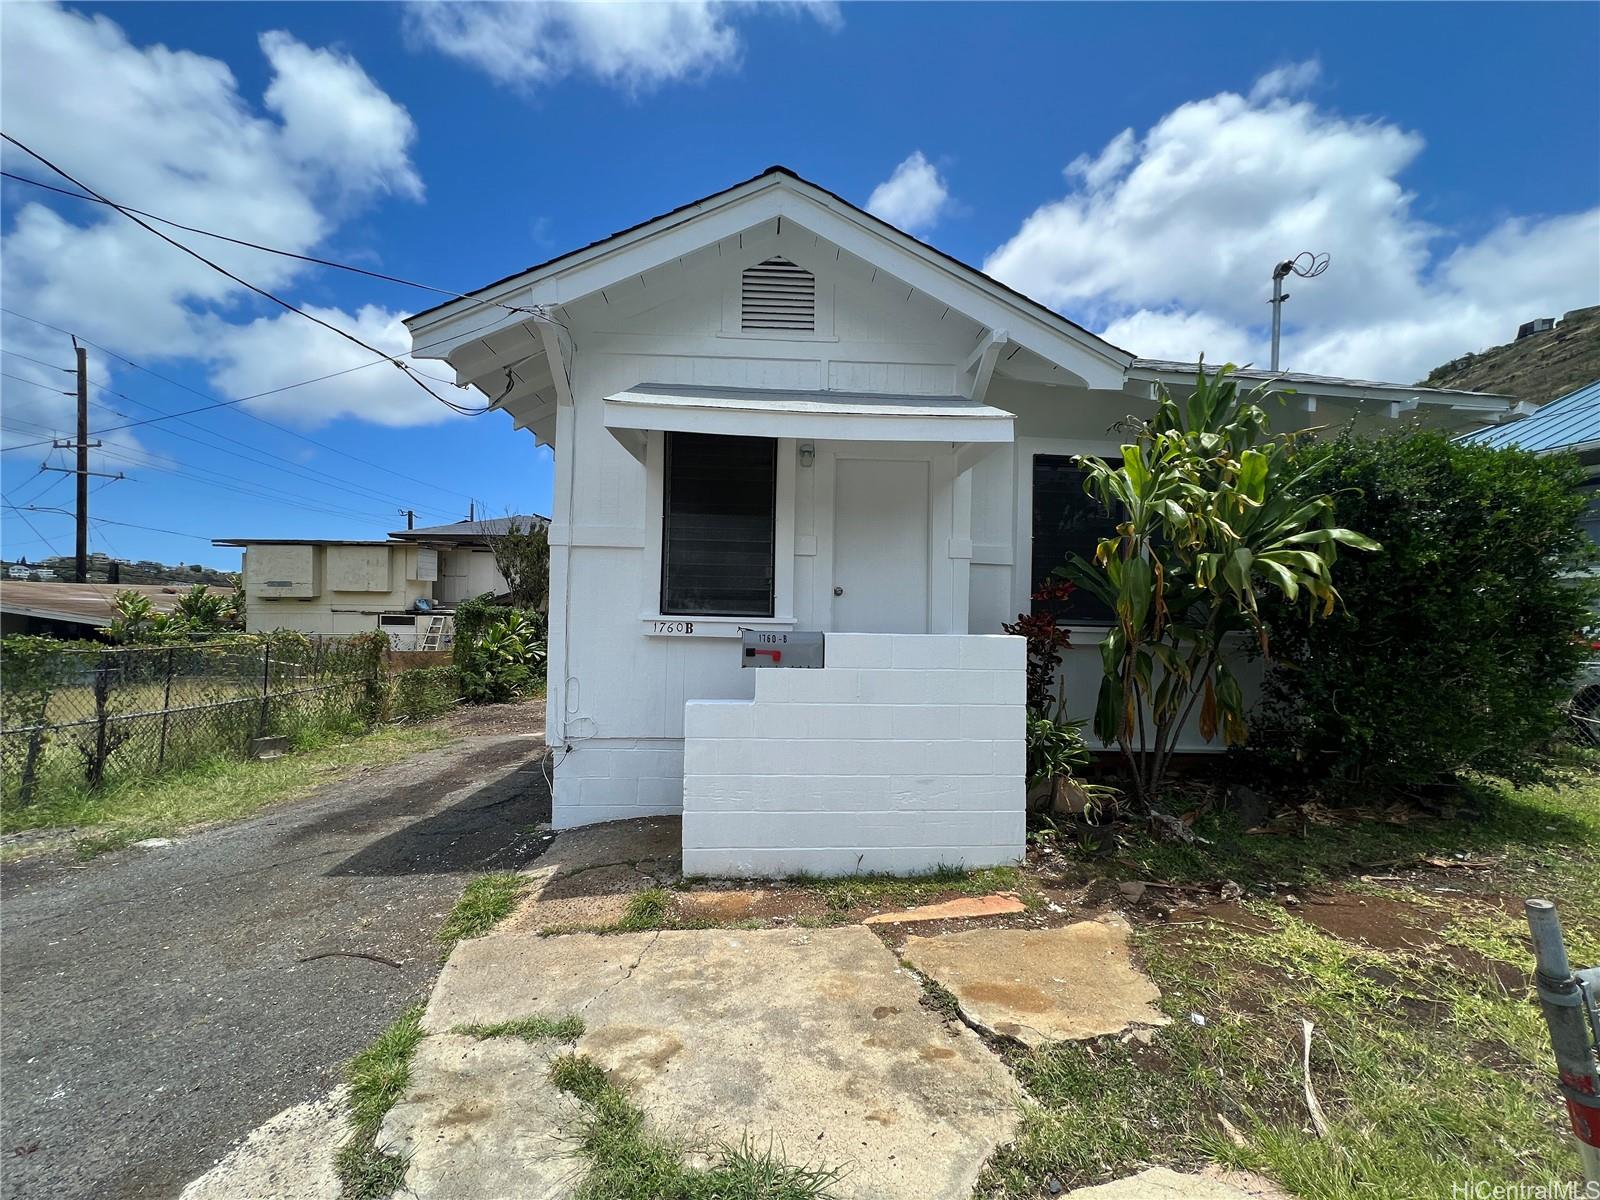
(156, 1005)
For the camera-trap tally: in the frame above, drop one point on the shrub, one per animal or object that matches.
(504, 661)
(1456, 645)
(424, 692)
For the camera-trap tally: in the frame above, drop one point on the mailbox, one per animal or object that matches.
(791, 648)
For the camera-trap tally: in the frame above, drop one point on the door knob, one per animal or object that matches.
(837, 590)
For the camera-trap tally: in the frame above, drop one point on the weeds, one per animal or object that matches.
(484, 903)
(377, 1077)
(1432, 1063)
(629, 1162)
(529, 1029)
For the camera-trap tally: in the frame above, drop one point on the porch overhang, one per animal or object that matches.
(809, 416)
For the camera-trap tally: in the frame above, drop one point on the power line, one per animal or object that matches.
(535, 311)
(308, 473)
(199, 537)
(216, 404)
(253, 489)
(245, 283)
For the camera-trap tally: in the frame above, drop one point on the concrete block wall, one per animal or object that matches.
(617, 778)
(904, 753)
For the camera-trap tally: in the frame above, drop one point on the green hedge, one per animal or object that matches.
(1456, 645)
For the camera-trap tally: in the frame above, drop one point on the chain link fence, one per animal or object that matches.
(75, 717)
(1583, 716)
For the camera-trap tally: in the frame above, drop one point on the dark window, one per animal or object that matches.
(717, 525)
(1066, 520)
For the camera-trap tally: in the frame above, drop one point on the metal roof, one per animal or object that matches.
(467, 531)
(1567, 423)
(1300, 379)
(81, 603)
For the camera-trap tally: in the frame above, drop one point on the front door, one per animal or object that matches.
(880, 546)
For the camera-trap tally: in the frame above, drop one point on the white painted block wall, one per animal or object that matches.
(904, 753)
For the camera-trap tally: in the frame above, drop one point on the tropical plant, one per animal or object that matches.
(198, 613)
(502, 662)
(1210, 511)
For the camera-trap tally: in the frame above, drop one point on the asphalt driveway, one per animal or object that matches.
(157, 1005)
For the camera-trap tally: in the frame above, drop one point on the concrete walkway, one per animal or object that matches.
(157, 1007)
(813, 1041)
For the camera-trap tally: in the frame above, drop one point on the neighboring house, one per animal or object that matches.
(466, 564)
(72, 610)
(406, 586)
(774, 412)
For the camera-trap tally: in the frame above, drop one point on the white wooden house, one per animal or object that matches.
(773, 411)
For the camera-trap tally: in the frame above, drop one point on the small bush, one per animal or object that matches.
(1455, 646)
(504, 661)
(422, 693)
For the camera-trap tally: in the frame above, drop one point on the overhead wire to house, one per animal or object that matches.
(531, 310)
(264, 293)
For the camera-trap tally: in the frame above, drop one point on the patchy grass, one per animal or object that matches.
(1553, 830)
(529, 1029)
(377, 1077)
(208, 793)
(1432, 1063)
(484, 903)
(629, 1162)
(845, 892)
(649, 909)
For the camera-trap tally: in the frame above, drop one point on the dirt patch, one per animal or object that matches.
(777, 905)
(525, 716)
(1377, 921)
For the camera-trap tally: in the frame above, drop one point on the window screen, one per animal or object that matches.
(717, 519)
(1066, 521)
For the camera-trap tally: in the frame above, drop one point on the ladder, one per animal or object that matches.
(433, 635)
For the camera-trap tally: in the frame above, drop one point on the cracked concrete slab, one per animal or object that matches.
(290, 1155)
(1042, 985)
(482, 1119)
(588, 875)
(814, 1041)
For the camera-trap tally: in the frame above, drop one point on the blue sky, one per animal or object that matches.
(1447, 156)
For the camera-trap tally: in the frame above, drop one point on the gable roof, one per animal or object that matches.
(471, 531)
(1568, 423)
(1028, 312)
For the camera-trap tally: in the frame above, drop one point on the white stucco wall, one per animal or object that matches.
(904, 753)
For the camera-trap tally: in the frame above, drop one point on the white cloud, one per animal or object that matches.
(914, 197)
(1168, 239)
(169, 131)
(272, 351)
(633, 46)
(1287, 80)
(370, 137)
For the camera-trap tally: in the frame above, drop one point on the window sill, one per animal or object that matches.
(664, 625)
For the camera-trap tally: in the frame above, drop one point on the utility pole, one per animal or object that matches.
(81, 573)
(82, 445)
(410, 517)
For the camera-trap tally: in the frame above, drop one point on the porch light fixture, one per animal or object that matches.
(808, 454)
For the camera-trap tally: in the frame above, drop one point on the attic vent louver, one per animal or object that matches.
(778, 295)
